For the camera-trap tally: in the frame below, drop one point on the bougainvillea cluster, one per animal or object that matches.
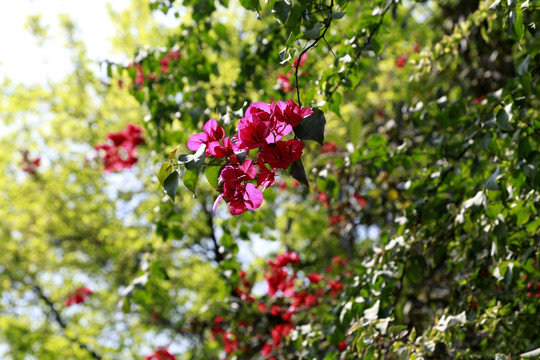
(30, 165)
(261, 129)
(290, 296)
(78, 296)
(160, 354)
(164, 62)
(120, 152)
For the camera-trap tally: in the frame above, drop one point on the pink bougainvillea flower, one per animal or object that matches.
(210, 136)
(160, 354)
(281, 154)
(266, 177)
(292, 113)
(78, 296)
(232, 175)
(237, 191)
(220, 151)
(254, 128)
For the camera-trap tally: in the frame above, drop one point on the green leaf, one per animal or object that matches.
(253, 5)
(194, 162)
(484, 140)
(337, 15)
(312, 127)
(354, 131)
(282, 10)
(165, 170)
(297, 171)
(171, 184)
(313, 32)
(518, 25)
(503, 118)
(190, 180)
(523, 67)
(376, 46)
(376, 141)
(172, 154)
(491, 182)
(212, 175)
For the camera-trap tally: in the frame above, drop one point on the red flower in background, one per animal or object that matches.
(329, 147)
(30, 165)
(230, 343)
(121, 153)
(302, 61)
(139, 76)
(285, 82)
(314, 278)
(401, 61)
(78, 296)
(160, 354)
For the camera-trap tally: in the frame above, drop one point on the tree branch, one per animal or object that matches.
(357, 55)
(61, 322)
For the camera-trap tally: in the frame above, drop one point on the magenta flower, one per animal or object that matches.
(266, 177)
(220, 151)
(210, 137)
(281, 154)
(292, 113)
(237, 191)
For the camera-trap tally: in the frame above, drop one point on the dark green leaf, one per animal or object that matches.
(312, 127)
(251, 4)
(337, 15)
(171, 184)
(523, 66)
(297, 171)
(503, 118)
(313, 32)
(491, 182)
(282, 10)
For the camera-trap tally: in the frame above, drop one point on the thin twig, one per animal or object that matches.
(327, 26)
